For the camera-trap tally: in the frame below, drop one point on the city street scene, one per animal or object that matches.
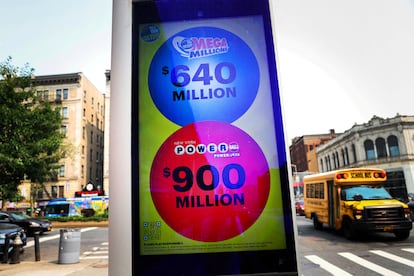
(200, 138)
(321, 252)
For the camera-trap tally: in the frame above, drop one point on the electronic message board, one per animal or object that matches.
(209, 166)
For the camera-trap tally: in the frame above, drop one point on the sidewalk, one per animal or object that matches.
(85, 267)
(46, 268)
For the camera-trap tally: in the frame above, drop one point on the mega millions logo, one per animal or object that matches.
(197, 47)
(203, 73)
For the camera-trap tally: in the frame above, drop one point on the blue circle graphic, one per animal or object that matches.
(203, 73)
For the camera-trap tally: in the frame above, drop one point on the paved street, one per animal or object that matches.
(320, 253)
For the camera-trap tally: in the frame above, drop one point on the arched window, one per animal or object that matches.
(381, 149)
(354, 153)
(337, 160)
(329, 163)
(321, 161)
(369, 149)
(346, 156)
(393, 147)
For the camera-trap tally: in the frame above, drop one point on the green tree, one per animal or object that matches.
(30, 136)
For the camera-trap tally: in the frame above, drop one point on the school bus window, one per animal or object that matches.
(320, 190)
(315, 190)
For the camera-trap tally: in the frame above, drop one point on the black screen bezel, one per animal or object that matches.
(242, 262)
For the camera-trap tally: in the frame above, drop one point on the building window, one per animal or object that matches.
(90, 155)
(62, 171)
(65, 114)
(65, 93)
(393, 145)
(61, 191)
(83, 150)
(354, 153)
(83, 132)
(58, 94)
(46, 95)
(82, 171)
(346, 156)
(369, 149)
(84, 96)
(334, 160)
(63, 129)
(337, 159)
(54, 191)
(84, 113)
(91, 137)
(381, 149)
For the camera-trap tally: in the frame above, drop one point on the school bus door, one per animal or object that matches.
(331, 203)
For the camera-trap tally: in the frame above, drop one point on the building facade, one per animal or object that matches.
(106, 134)
(303, 150)
(382, 143)
(83, 113)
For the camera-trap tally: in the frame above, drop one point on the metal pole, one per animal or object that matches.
(37, 246)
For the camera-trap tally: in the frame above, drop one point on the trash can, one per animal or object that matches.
(69, 246)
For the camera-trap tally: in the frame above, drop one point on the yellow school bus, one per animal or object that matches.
(355, 201)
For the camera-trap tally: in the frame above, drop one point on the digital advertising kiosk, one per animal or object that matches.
(210, 191)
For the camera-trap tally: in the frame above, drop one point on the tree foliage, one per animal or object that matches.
(30, 136)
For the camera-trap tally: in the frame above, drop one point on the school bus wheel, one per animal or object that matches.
(316, 223)
(348, 229)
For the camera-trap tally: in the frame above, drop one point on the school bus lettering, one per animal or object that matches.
(355, 201)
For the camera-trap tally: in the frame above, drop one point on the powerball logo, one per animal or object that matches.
(197, 47)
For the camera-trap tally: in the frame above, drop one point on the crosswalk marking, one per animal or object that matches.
(97, 252)
(393, 257)
(334, 270)
(379, 269)
(327, 266)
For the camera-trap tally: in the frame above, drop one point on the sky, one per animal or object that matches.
(58, 36)
(339, 62)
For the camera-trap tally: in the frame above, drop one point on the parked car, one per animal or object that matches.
(11, 231)
(300, 207)
(30, 225)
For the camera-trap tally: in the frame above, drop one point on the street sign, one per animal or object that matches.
(210, 185)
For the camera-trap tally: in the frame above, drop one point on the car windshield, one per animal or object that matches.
(365, 192)
(18, 216)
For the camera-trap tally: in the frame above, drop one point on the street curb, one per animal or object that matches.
(79, 224)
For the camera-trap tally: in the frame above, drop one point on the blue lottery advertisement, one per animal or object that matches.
(210, 184)
(220, 87)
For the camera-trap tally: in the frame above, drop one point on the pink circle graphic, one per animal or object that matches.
(210, 181)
